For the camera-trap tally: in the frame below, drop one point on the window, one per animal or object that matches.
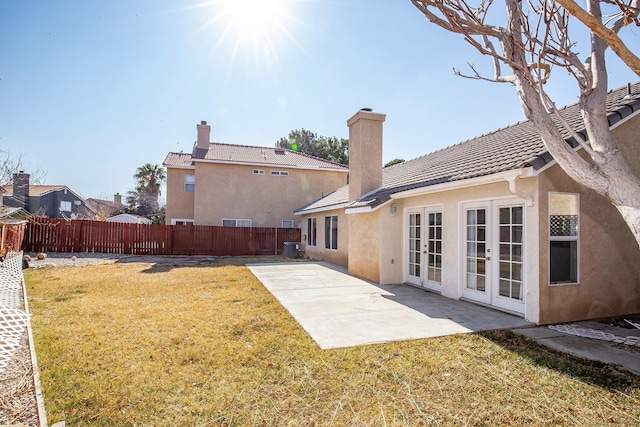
(312, 231)
(65, 206)
(287, 223)
(331, 232)
(189, 183)
(236, 223)
(279, 173)
(182, 222)
(511, 236)
(434, 241)
(258, 172)
(564, 227)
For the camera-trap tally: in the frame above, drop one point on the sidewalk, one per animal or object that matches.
(588, 340)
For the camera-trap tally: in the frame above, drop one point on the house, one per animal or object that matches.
(8, 215)
(244, 186)
(493, 220)
(103, 209)
(130, 219)
(53, 201)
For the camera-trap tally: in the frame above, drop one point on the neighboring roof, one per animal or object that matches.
(103, 205)
(40, 190)
(8, 214)
(130, 218)
(249, 155)
(180, 160)
(511, 148)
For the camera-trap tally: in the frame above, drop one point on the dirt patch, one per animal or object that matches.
(83, 258)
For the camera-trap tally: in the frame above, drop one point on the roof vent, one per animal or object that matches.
(279, 151)
(203, 122)
(366, 109)
(630, 93)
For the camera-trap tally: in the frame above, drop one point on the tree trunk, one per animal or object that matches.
(608, 174)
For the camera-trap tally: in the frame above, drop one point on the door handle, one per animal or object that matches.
(488, 258)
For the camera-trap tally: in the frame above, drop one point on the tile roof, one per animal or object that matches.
(129, 218)
(511, 148)
(244, 154)
(39, 190)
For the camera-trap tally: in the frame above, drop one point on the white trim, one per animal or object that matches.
(470, 182)
(322, 209)
(366, 209)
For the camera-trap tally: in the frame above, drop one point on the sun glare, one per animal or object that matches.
(255, 14)
(252, 24)
(256, 31)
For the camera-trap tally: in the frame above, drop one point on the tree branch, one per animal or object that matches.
(609, 35)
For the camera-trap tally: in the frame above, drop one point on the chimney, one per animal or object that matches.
(204, 135)
(365, 152)
(117, 199)
(21, 189)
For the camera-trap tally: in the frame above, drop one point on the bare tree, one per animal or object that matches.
(11, 163)
(535, 39)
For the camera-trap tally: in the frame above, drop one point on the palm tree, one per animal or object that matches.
(149, 178)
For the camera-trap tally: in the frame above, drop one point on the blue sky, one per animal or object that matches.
(91, 90)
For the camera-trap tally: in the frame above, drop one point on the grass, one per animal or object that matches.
(209, 346)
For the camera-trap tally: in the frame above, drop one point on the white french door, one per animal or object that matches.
(423, 261)
(493, 259)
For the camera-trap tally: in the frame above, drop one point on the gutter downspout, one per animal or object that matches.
(512, 180)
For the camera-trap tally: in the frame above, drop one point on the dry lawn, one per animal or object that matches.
(146, 345)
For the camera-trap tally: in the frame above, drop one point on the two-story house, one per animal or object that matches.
(244, 186)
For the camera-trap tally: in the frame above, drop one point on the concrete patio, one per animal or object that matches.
(338, 310)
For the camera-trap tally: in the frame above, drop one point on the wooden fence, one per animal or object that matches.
(60, 235)
(11, 236)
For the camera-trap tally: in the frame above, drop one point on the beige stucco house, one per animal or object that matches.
(492, 220)
(244, 186)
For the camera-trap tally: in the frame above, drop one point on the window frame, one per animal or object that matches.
(182, 221)
(575, 239)
(288, 221)
(331, 232)
(236, 222)
(189, 187)
(434, 251)
(66, 203)
(312, 231)
(258, 171)
(279, 173)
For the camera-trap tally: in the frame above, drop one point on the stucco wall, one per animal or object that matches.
(226, 191)
(609, 271)
(365, 245)
(179, 202)
(319, 252)
(393, 255)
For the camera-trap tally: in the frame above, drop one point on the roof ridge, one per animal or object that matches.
(274, 148)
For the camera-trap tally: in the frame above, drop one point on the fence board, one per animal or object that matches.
(12, 235)
(60, 235)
